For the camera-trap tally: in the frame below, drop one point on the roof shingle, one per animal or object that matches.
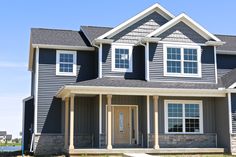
(58, 37)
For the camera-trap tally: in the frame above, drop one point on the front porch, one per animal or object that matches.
(123, 151)
(146, 121)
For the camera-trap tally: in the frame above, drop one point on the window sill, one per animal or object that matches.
(122, 70)
(175, 133)
(182, 75)
(66, 74)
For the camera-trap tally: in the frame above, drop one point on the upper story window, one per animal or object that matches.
(183, 116)
(66, 63)
(122, 58)
(182, 61)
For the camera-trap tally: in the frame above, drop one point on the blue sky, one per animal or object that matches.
(17, 17)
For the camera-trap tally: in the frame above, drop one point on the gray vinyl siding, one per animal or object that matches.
(143, 27)
(208, 113)
(233, 110)
(222, 123)
(87, 118)
(182, 33)
(156, 65)
(138, 63)
(49, 107)
(226, 61)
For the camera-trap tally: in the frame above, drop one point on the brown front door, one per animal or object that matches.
(121, 125)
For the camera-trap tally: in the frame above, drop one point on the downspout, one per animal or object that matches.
(99, 58)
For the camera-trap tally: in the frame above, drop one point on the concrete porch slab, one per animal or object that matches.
(147, 151)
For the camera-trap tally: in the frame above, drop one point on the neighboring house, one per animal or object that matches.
(155, 81)
(3, 136)
(8, 138)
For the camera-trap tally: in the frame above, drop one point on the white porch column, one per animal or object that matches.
(156, 140)
(109, 145)
(148, 119)
(72, 122)
(100, 118)
(66, 122)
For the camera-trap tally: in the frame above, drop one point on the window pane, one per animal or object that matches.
(175, 110)
(190, 67)
(173, 53)
(175, 125)
(121, 121)
(192, 110)
(173, 66)
(190, 54)
(66, 67)
(122, 58)
(192, 125)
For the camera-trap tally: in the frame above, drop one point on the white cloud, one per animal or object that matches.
(5, 64)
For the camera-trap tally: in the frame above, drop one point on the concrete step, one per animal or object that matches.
(137, 155)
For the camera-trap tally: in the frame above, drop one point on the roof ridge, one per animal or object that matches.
(56, 29)
(229, 35)
(97, 26)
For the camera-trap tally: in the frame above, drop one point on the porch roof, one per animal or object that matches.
(140, 87)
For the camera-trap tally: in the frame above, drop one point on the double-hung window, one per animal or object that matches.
(122, 58)
(183, 117)
(182, 61)
(66, 63)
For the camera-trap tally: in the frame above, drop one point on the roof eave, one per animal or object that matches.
(70, 89)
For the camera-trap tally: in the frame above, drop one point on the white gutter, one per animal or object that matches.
(84, 48)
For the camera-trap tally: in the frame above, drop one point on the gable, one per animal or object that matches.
(140, 29)
(154, 8)
(182, 33)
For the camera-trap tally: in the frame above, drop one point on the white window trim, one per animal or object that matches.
(122, 46)
(166, 102)
(182, 47)
(74, 53)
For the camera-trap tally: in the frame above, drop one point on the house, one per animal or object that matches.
(156, 82)
(3, 136)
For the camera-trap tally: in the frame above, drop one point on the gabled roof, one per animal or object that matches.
(187, 20)
(154, 8)
(229, 79)
(58, 37)
(92, 32)
(230, 44)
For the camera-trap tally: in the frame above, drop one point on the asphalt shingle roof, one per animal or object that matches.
(92, 32)
(229, 78)
(230, 44)
(119, 82)
(58, 37)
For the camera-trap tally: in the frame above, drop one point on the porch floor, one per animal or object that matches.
(147, 150)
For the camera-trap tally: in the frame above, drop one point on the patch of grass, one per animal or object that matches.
(9, 144)
(197, 155)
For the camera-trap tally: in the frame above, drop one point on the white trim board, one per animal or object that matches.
(36, 90)
(68, 89)
(188, 21)
(154, 8)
